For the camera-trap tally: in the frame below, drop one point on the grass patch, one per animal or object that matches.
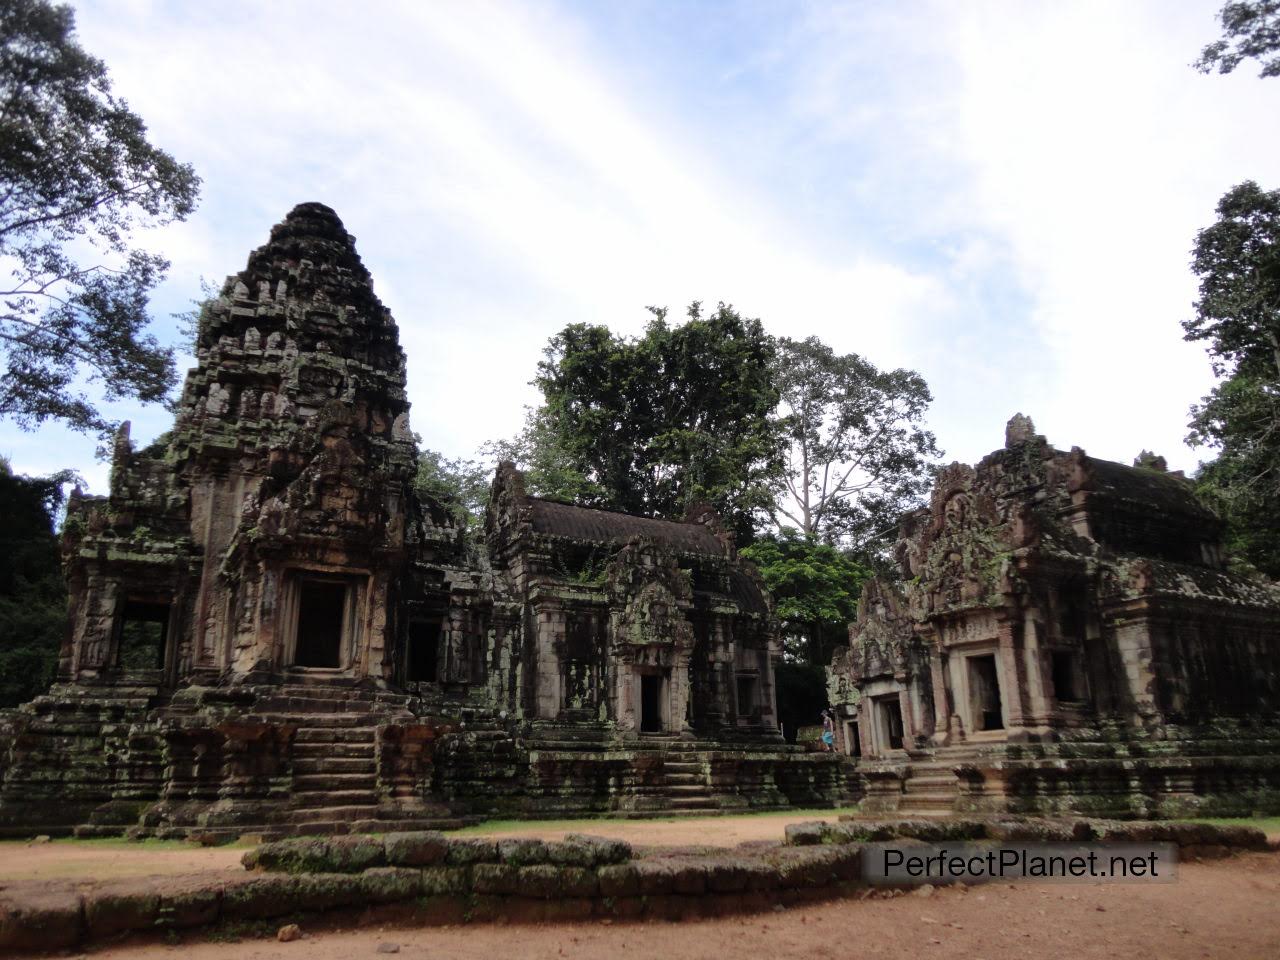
(585, 824)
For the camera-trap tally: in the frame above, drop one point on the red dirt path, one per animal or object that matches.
(1224, 908)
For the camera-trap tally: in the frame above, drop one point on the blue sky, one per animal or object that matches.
(1002, 196)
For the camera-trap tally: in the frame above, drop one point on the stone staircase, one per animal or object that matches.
(931, 788)
(687, 787)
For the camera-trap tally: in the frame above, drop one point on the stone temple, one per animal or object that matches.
(270, 630)
(1066, 636)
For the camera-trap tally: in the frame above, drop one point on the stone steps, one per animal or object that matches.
(317, 763)
(328, 781)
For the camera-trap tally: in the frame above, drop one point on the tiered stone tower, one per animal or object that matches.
(271, 630)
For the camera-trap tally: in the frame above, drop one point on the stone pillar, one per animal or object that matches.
(941, 698)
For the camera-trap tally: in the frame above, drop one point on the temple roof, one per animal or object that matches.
(607, 526)
(1167, 492)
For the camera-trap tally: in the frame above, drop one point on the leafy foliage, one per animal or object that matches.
(33, 597)
(815, 588)
(657, 424)
(1238, 315)
(461, 486)
(1251, 30)
(858, 455)
(76, 173)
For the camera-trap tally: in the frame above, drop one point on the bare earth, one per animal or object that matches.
(1224, 908)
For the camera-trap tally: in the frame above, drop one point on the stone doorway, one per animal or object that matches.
(650, 703)
(322, 608)
(889, 710)
(984, 694)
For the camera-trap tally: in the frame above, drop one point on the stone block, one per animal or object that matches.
(654, 877)
(500, 879)
(352, 854)
(109, 913)
(464, 852)
(417, 848)
(390, 884)
(808, 833)
(689, 879)
(45, 922)
(541, 881)
(270, 895)
(578, 882)
(604, 849)
(299, 855)
(446, 881)
(522, 852)
(619, 880)
(189, 908)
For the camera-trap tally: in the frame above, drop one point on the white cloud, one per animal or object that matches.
(1000, 195)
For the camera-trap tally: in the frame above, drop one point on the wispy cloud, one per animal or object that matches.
(999, 195)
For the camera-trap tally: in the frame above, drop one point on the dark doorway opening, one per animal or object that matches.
(321, 609)
(1064, 677)
(144, 630)
(747, 696)
(424, 651)
(650, 704)
(852, 742)
(891, 721)
(984, 692)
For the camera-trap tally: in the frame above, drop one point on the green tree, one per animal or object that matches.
(656, 424)
(460, 486)
(33, 597)
(77, 177)
(1238, 315)
(815, 588)
(857, 454)
(1250, 30)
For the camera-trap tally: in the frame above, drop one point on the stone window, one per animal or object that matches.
(1065, 687)
(422, 662)
(322, 614)
(747, 706)
(143, 632)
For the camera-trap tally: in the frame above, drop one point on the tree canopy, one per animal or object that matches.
(1250, 31)
(857, 453)
(461, 486)
(33, 597)
(659, 423)
(77, 177)
(815, 588)
(1238, 316)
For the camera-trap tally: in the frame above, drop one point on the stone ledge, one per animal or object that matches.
(1187, 835)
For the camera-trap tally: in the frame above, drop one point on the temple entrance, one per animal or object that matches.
(889, 711)
(322, 608)
(852, 744)
(984, 694)
(650, 703)
(424, 651)
(144, 629)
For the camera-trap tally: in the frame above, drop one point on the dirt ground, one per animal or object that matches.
(104, 860)
(1224, 908)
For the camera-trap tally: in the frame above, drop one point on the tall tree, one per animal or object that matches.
(656, 424)
(461, 486)
(1238, 316)
(857, 453)
(33, 597)
(815, 588)
(1250, 30)
(77, 177)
